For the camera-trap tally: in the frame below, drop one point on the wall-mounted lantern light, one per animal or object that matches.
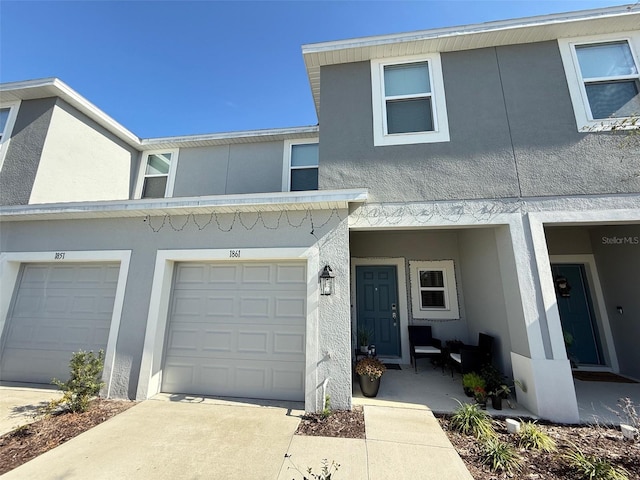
(562, 286)
(326, 281)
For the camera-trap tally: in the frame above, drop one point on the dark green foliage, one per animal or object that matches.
(84, 382)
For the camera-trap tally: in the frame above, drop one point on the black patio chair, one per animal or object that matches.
(423, 345)
(472, 358)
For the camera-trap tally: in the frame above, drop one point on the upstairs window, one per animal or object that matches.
(603, 75)
(611, 80)
(8, 114)
(408, 101)
(433, 290)
(157, 174)
(301, 165)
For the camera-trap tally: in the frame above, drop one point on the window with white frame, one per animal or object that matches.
(157, 174)
(300, 165)
(433, 290)
(8, 114)
(604, 78)
(409, 103)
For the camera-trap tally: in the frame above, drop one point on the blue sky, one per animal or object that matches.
(164, 68)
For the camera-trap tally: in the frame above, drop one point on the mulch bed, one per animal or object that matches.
(340, 423)
(29, 441)
(601, 441)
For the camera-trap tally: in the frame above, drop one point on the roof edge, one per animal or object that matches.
(522, 22)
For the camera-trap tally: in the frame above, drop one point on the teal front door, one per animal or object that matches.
(576, 312)
(377, 307)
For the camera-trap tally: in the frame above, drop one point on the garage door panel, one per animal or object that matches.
(288, 343)
(237, 330)
(243, 378)
(57, 310)
(291, 274)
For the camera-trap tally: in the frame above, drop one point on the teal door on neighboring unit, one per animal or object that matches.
(576, 312)
(377, 307)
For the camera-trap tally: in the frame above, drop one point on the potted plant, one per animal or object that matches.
(470, 381)
(369, 371)
(364, 338)
(480, 396)
(498, 394)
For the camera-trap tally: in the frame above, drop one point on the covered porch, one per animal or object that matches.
(438, 392)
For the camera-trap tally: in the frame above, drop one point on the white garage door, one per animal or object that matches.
(237, 330)
(57, 310)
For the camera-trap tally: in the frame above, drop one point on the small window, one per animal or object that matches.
(603, 76)
(301, 166)
(408, 101)
(433, 290)
(8, 114)
(611, 80)
(157, 174)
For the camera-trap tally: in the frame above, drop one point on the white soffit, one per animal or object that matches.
(490, 34)
(255, 202)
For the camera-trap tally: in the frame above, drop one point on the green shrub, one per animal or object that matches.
(471, 420)
(499, 456)
(472, 381)
(531, 437)
(594, 468)
(85, 372)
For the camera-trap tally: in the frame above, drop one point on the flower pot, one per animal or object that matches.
(364, 348)
(468, 392)
(496, 402)
(369, 385)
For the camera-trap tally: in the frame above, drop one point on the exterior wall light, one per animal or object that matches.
(562, 286)
(326, 281)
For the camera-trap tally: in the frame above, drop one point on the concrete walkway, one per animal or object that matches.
(197, 438)
(20, 405)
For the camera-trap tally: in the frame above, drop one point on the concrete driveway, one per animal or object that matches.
(172, 437)
(20, 405)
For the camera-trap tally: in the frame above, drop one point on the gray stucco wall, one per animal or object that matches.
(23, 156)
(229, 169)
(137, 236)
(619, 268)
(82, 161)
(484, 293)
(418, 245)
(512, 130)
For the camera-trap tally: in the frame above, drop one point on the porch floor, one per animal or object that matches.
(429, 388)
(438, 392)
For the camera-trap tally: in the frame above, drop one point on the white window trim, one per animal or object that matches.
(439, 103)
(8, 129)
(286, 160)
(451, 310)
(171, 177)
(577, 91)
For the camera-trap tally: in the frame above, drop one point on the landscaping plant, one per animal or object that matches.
(499, 456)
(531, 437)
(594, 468)
(471, 420)
(85, 372)
(326, 471)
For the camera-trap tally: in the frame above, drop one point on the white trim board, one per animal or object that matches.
(150, 380)
(403, 309)
(10, 267)
(595, 287)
